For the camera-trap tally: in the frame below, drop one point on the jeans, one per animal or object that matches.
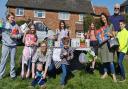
(38, 80)
(6, 50)
(120, 63)
(65, 71)
(109, 65)
(52, 70)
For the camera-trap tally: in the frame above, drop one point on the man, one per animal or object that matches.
(114, 19)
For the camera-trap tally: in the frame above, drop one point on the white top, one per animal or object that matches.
(61, 33)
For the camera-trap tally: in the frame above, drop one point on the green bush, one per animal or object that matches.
(20, 22)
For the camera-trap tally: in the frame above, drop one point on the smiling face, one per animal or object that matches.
(32, 28)
(122, 25)
(43, 47)
(104, 19)
(92, 26)
(11, 18)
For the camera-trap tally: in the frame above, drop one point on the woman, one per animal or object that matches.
(105, 52)
(43, 55)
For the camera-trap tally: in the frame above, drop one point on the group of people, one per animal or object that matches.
(113, 27)
(38, 57)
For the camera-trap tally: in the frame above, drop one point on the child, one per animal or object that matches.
(30, 40)
(39, 75)
(122, 36)
(66, 55)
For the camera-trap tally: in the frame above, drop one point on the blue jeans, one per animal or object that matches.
(65, 71)
(110, 65)
(38, 80)
(120, 63)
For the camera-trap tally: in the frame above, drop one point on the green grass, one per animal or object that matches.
(81, 80)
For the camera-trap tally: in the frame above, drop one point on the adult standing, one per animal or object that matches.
(114, 19)
(105, 53)
(10, 33)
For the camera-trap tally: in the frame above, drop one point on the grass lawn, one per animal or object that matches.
(81, 80)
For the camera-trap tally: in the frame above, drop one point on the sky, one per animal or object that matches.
(108, 3)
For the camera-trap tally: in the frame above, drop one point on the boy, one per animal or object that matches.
(122, 36)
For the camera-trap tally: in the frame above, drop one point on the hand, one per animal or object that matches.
(12, 35)
(44, 76)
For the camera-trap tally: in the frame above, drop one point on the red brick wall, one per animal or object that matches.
(51, 19)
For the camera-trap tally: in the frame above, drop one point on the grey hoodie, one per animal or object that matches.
(6, 37)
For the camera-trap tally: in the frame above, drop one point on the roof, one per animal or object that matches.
(101, 9)
(125, 3)
(77, 6)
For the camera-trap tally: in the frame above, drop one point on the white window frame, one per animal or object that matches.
(36, 12)
(64, 16)
(81, 17)
(19, 12)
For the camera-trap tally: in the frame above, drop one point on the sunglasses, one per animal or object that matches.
(116, 8)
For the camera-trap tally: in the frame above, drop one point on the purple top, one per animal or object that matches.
(114, 19)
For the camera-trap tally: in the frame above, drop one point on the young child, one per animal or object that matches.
(39, 75)
(66, 55)
(122, 36)
(29, 40)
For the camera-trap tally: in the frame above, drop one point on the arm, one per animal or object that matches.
(70, 54)
(34, 60)
(48, 63)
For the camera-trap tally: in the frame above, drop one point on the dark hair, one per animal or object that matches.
(62, 21)
(66, 40)
(9, 14)
(122, 21)
(102, 23)
(29, 31)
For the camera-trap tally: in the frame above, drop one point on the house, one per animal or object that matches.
(52, 11)
(101, 9)
(124, 7)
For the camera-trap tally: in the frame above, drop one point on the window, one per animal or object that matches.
(19, 11)
(81, 17)
(39, 13)
(64, 16)
(126, 10)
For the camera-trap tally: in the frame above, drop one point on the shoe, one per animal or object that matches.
(122, 80)
(91, 70)
(114, 78)
(43, 86)
(62, 86)
(104, 76)
(13, 78)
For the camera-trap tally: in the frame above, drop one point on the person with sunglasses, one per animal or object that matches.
(114, 19)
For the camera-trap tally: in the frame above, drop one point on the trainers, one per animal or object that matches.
(122, 80)
(43, 86)
(114, 78)
(104, 76)
(62, 86)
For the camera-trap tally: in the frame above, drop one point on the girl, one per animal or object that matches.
(29, 40)
(93, 43)
(105, 52)
(9, 43)
(62, 32)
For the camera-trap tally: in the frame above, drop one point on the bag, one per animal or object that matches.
(113, 43)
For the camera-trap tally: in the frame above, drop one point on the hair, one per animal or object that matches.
(43, 42)
(29, 31)
(102, 23)
(10, 14)
(66, 40)
(122, 21)
(62, 21)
